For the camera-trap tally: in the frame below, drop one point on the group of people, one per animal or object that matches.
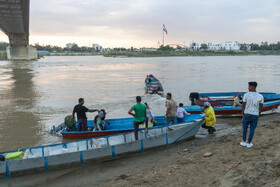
(173, 114)
(252, 105)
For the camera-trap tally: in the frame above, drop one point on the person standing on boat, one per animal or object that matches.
(171, 109)
(210, 118)
(81, 114)
(139, 116)
(251, 110)
(237, 100)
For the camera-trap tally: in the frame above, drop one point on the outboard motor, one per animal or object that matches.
(193, 97)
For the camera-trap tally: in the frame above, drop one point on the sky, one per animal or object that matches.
(138, 23)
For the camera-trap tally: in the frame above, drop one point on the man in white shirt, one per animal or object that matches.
(251, 110)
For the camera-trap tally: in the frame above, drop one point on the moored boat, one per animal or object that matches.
(225, 98)
(117, 126)
(223, 111)
(57, 156)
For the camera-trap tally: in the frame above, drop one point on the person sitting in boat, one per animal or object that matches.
(139, 116)
(81, 114)
(181, 112)
(99, 122)
(210, 118)
(237, 100)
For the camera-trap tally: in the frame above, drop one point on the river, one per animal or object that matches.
(36, 95)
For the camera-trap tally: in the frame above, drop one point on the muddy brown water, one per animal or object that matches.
(37, 95)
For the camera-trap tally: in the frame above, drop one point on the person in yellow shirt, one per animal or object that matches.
(210, 118)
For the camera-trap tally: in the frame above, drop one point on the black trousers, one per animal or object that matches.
(136, 126)
(210, 128)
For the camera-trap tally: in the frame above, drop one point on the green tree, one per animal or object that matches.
(244, 47)
(165, 48)
(203, 47)
(75, 48)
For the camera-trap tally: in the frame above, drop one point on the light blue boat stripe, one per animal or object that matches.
(81, 157)
(46, 164)
(188, 132)
(113, 152)
(7, 170)
(142, 146)
(124, 138)
(166, 137)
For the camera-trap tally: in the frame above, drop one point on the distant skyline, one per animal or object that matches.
(138, 23)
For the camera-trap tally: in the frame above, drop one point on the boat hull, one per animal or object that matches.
(223, 111)
(98, 149)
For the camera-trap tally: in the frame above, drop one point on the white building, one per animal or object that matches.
(227, 46)
(148, 49)
(97, 47)
(70, 45)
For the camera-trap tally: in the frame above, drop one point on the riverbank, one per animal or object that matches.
(229, 165)
(169, 53)
(185, 164)
(3, 56)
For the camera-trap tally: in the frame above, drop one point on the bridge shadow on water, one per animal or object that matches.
(19, 122)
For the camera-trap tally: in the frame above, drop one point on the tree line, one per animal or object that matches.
(76, 48)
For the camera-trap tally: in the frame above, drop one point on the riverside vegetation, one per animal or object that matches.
(163, 51)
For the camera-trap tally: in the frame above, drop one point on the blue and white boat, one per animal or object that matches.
(62, 155)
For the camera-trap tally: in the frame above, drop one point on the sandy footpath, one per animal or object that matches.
(183, 164)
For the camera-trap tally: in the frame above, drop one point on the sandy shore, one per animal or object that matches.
(230, 164)
(184, 164)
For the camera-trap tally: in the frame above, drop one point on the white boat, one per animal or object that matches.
(63, 155)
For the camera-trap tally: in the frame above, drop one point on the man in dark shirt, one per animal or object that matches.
(81, 114)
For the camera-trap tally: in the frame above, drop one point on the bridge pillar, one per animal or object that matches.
(21, 53)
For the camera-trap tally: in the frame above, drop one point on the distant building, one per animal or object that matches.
(70, 45)
(97, 47)
(147, 49)
(227, 46)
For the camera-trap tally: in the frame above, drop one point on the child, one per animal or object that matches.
(151, 122)
(180, 113)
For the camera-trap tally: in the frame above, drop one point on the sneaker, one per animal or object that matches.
(243, 144)
(249, 145)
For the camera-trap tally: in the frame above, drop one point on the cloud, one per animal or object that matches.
(139, 22)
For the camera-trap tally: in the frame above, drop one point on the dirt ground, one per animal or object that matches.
(259, 166)
(184, 164)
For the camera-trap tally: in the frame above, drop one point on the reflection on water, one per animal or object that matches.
(36, 95)
(19, 125)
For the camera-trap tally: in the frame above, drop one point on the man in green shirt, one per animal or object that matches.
(139, 116)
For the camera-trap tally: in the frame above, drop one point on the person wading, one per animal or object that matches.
(139, 116)
(251, 110)
(81, 114)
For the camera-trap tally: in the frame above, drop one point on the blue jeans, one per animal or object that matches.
(251, 120)
(180, 120)
(82, 124)
(170, 119)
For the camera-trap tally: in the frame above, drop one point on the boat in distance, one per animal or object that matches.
(153, 85)
(69, 154)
